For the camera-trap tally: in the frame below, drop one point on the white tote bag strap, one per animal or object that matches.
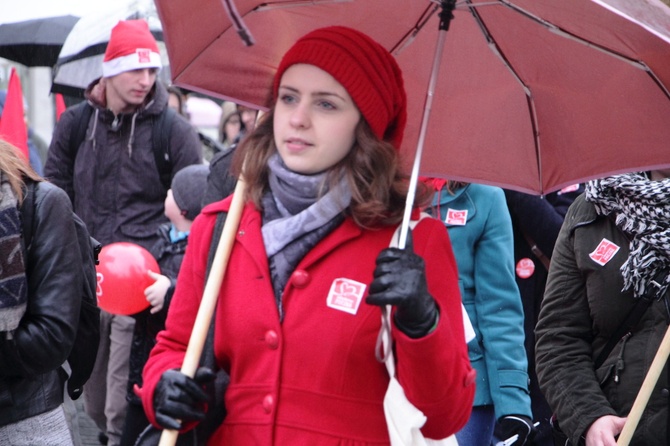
(403, 419)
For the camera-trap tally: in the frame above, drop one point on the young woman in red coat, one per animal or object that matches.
(298, 313)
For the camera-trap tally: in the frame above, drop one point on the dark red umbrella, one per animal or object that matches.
(531, 95)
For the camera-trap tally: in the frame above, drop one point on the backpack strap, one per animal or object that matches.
(83, 112)
(207, 358)
(216, 389)
(162, 128)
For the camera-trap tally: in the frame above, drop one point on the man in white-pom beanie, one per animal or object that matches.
(117, 174)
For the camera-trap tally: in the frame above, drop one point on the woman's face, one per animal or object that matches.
(314, 120)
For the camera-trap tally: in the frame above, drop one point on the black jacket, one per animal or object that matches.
(114, 182)
(31, 378)
(582, 309)
(169, 256)
(221, 182)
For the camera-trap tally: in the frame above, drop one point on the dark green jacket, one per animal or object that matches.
(583, 306)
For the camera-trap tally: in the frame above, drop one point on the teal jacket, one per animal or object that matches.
(480, 229)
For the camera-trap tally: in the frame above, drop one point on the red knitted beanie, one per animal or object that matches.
(131, 47)
(366, 69)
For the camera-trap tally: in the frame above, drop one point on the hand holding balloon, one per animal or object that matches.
(155, 293)
(122, 278)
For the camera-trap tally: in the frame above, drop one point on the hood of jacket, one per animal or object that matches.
(155, 102)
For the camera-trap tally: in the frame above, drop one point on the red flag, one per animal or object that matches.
(12, 124)
(60, 105)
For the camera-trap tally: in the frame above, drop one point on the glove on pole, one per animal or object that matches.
(180, 398)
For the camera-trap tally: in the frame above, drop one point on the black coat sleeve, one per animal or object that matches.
(47, 331)
(220, 182)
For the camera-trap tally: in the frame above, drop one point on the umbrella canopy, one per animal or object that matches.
(532, 95)
(80, 60)
(36, 42)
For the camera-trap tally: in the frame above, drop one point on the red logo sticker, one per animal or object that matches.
(604, 252)
(143, 55)
(525, 268)
(456, 217)
(345, 295)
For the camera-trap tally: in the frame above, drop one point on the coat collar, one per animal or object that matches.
(460, 200)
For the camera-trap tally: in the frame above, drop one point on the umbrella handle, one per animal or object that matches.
(210, 295)
(645, 391)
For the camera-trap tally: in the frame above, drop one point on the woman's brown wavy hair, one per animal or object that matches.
(372, 168)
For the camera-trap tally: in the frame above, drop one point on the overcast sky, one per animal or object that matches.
(17, 10)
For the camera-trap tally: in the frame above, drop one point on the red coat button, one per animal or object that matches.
(300, 278)
(272, 339)
(268, 403)
(470, 378)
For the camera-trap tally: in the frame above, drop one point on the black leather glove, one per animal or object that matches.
(180, 398)
(400, 280)
(520, 425)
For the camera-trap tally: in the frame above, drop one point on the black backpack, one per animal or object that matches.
(160, 137)
(85, 349)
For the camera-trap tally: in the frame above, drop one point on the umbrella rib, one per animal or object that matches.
(563, 33)
(238, 23)
(529, 95)
(410, 35)
(242, 29)
(268, 6)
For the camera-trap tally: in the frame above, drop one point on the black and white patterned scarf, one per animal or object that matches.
(296, 217)
(642, 210)
(13, 282)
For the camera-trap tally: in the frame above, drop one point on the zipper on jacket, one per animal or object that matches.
(619, 360)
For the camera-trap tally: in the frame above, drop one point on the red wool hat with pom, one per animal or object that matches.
(131, 47)
(367, 71)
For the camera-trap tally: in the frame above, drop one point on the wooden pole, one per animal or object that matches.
(210, 295)
(645, 391)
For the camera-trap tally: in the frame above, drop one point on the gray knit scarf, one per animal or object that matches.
(13, 282)
(642, 210)
(296, 216)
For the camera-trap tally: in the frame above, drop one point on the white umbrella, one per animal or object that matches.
(80, 60)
